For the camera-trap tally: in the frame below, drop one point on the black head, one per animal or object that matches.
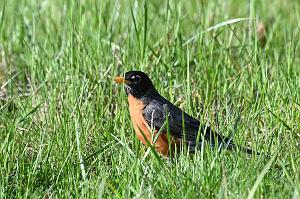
(136, 83)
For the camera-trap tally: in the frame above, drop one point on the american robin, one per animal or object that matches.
(158, 122)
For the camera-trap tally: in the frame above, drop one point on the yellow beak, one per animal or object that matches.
(121, 80)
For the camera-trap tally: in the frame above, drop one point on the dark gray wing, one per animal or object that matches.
(180, 124)
(159, 113)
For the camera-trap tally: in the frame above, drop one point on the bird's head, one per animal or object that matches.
(136, 83)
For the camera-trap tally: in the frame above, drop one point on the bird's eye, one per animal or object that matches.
(135, 78)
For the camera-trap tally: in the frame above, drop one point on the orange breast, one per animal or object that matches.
(142, 128)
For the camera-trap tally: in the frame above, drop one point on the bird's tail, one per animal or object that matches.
(225, 142)
(232, 146)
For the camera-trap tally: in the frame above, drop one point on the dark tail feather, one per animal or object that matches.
(193, 146)
(224, 142)
(232, 146)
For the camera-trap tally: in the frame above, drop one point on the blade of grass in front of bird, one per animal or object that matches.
(152, 145)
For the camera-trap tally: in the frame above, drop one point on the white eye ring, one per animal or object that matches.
(135, 77)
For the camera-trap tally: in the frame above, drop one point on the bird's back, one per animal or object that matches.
(187, 128)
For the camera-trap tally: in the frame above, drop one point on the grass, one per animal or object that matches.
(64, 125)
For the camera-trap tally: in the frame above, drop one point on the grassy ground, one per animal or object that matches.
(64, 125)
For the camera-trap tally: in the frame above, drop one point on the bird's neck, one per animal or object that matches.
(145, 97)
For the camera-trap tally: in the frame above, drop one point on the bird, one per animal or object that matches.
(160, 124)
